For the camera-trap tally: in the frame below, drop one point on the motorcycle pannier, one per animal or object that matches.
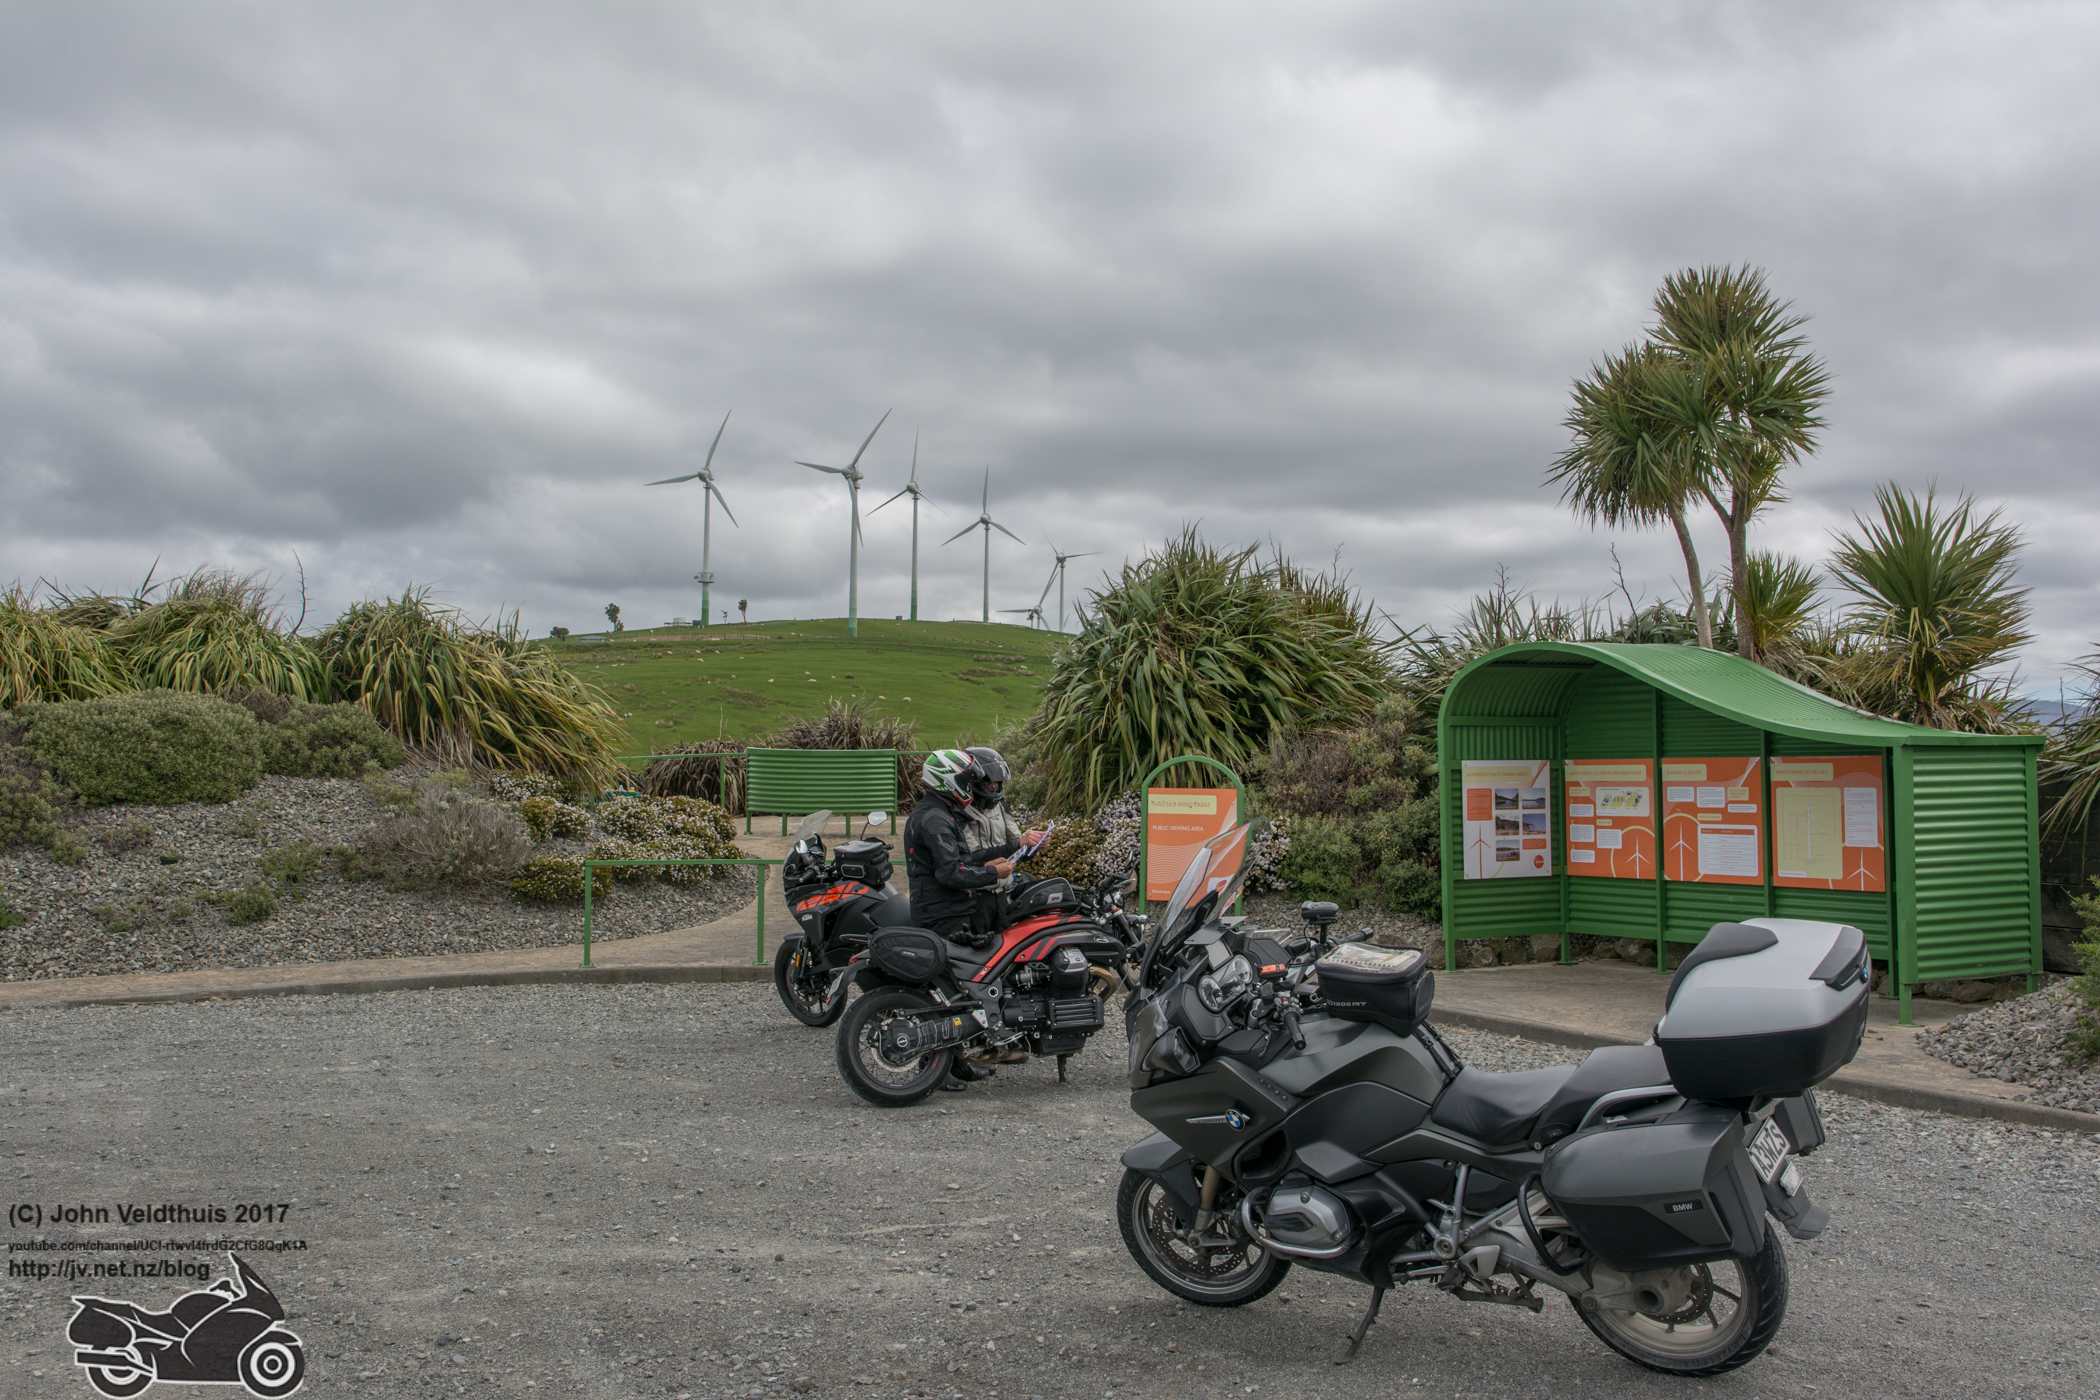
(912, 955)
(1657, 1195)
(865, 861)
(1391, 986)
(1772, 1006)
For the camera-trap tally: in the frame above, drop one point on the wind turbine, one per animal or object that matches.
(709, 494)
(984, 518)
(911, 489)
(851, 471)
(1058, 569)
(1035, 614)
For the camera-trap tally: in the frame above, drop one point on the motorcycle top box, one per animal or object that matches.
(1768, 1007)
(1392, 987)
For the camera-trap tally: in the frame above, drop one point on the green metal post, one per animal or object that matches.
(759, 961)
(586, 914)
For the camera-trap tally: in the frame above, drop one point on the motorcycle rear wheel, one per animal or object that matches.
(880, 1081)
(108, 1380)
(1734, 1313)
(1216, 1278)
(802, 988)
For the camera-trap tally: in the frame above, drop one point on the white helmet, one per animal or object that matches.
(951, 771)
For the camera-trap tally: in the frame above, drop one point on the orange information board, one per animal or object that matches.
(1829, 829)
(1178, 822)
(1713, 821)
(1611, 817)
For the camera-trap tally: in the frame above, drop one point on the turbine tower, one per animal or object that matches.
(912, 489)
(1058, 570)
(984, 519)
(709, 494)
(851, 471)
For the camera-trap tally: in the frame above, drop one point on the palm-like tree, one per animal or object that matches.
(1628, 464)
(1777, 604)
(1744, 402)
(1938, 604)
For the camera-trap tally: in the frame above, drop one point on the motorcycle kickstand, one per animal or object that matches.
(1061, 1067)
(1356, 1338)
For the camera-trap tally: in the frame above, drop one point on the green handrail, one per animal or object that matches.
(1145, 814)
(758, 960)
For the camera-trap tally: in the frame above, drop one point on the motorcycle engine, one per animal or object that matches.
(1303, 1219)
(1068, 972)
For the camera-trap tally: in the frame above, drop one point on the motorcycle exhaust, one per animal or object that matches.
(902, 1038)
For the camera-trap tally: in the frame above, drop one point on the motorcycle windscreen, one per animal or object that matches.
(1218, 865)
(813, 822)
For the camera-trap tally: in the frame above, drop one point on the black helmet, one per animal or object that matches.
(993, 775)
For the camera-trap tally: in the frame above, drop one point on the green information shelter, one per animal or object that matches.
(1630, 791)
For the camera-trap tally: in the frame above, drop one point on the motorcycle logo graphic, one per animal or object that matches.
(227, 1334)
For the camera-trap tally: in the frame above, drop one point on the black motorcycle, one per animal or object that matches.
(228, 1333)
(1309, 1114)
(929, 1007)
(838, 897)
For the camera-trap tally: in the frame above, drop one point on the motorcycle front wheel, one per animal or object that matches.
(1213, 1275)
(112, 1381)
(274, 1364)
(803, 989)
(1731, 1312)
(883, 1082)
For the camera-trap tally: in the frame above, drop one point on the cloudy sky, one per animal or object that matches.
(427, 292)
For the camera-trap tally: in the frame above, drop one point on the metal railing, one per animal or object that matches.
(759, 955)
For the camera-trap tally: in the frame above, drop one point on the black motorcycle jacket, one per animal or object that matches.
(945, 877)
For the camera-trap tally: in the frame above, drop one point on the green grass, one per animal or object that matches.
(677, 685)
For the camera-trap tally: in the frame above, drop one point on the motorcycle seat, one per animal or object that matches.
(1541, 1105)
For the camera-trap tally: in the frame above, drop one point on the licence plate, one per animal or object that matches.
(1768, 1150)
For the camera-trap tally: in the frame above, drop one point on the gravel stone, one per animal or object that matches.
(220, 847)
(2022, 1042)
(627, 1191)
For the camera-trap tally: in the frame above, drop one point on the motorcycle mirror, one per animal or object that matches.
(876, 819)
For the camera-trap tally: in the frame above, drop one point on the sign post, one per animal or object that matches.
(1177, 821)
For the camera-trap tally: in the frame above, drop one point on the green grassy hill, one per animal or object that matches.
(743, 680)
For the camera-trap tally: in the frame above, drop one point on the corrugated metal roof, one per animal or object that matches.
(1514, 679)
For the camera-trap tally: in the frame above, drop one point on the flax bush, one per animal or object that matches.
(158, 746)
(43, 656)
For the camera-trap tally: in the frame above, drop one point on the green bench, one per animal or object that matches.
(795, 782)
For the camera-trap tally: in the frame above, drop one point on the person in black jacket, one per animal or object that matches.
(954, 891)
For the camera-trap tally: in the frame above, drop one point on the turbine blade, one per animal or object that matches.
(1046, 586)
(719, 500)
(905, 492)
(835, 471)
(986, 506)
(1006, 532)
(915, 457)
(716, 443)
(960, 533)
(1088, 555)
(671, 480)
(871, 436)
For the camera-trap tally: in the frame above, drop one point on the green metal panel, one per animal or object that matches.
(795, 781)
(1970, 842)
(1690, 732)
(1612, 908)
(1610, 715)
(1869, 913)
(1694, 908)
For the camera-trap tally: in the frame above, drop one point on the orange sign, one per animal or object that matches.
(1828, 827)
(1713, 821)
(1611, 817)
(1178, 822)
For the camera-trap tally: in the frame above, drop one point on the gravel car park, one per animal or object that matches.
(668, 1191)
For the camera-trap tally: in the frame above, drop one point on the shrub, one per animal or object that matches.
(158, 746)
(293, 863)
(469, 695)
(697, 820)
(557, 878)
(250, 904)
(2085, 1037)
(128, 837)
(1197, 650)
(215, 632)
(30, 802)
(548, 817)
(712, 770)
(43, 656)
(631, 819)
(446, 838)
(327, 741)
(517, 787)
(9, 918)
(1324, 860)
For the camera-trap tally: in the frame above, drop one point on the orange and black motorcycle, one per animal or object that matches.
(839, 897)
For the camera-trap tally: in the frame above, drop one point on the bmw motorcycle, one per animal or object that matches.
(229, 1333)
(1039, 987)
(1309, 1115)
(839, 898)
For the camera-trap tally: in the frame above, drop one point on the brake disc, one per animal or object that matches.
(1702, 1298)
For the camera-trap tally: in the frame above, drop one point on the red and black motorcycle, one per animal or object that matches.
(1039, 988)
(838, 897)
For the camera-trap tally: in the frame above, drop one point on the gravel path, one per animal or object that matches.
(2022, 1041)
(159, 921)
(627, 1191)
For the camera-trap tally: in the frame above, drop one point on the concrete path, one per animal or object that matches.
(1582, 1005)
